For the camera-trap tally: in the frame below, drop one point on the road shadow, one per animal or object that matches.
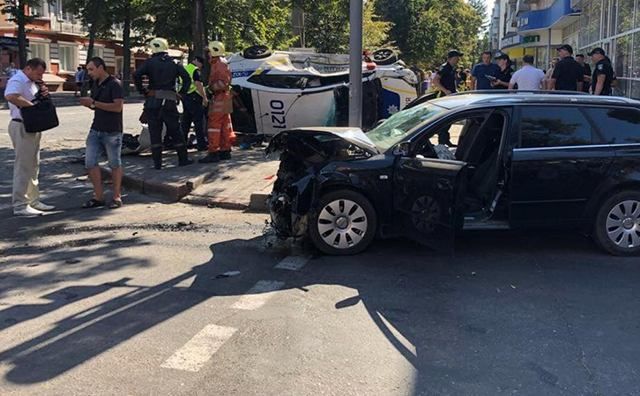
(509, 312)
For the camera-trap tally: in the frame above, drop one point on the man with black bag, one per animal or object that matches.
(22, 90)
(161, 102)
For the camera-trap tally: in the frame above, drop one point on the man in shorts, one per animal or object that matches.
(107, 100)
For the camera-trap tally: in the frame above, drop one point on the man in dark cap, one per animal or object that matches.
(587, 72)
(602, 72)
(445, 79)
(503, 77)
(568, 75)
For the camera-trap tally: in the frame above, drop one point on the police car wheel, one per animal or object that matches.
(256, 52)
(385, 56)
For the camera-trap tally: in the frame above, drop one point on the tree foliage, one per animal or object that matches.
(15, 9)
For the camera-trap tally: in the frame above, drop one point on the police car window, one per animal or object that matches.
(618, 126)
(547, 126)
(279, 81)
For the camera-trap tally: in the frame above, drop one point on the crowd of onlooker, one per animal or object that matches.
(497, 71)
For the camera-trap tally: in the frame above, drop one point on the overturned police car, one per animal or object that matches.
(276, 91)
(518, 160)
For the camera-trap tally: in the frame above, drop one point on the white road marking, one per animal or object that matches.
(199, 350)
(292, 263)
(258, 295)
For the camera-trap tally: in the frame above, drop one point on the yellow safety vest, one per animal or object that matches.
(191, 68)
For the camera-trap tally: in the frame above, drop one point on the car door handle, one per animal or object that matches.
(444, 184)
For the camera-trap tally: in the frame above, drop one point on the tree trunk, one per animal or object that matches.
(22, 34)
(198, 28)
(126, 46)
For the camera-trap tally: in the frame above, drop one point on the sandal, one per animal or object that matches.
(93, 203)
(115, 204)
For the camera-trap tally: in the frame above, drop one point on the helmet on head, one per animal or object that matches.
(216, 48)
(159, 44)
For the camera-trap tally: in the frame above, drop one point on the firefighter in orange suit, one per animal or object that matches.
(219, 128)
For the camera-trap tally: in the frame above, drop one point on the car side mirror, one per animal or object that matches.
(402, 149)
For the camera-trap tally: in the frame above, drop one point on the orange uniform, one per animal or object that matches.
(219, 128)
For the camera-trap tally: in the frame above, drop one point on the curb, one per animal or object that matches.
(257, 202)
(170, 192)
(180, 193)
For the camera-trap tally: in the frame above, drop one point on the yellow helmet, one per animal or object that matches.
(159, 44)
(216, 48)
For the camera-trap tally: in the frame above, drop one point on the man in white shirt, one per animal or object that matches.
(20, 92)
(528, 78)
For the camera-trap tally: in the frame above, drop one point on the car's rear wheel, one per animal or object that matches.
(344, 224)
(617, 227)
(256, 52)
(385, 56)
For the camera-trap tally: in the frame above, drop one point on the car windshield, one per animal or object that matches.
(399, 125)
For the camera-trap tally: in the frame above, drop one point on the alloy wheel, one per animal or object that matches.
(342, 224)
(623, 224)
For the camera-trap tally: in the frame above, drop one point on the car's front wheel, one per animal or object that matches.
(344, 224)
(617, 226)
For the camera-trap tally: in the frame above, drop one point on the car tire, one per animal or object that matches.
(617, 225)
(385, 56)
(345, 223)
(256, 52)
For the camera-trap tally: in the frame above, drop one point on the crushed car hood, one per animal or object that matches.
(329, 143)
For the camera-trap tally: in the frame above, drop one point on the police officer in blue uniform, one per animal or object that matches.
(602, 76)
(445, 82)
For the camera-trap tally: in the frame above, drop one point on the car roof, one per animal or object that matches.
(492, 98)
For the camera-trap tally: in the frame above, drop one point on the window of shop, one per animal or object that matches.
(39, 50)
(622, 62)
(625, 15)
(68, 58)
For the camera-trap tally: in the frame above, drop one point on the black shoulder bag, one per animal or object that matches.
(40, 117)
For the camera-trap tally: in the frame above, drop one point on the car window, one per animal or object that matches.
(618, 126)
(399, 125)
(547, 126)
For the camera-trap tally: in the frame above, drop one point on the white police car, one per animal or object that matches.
(275, 91)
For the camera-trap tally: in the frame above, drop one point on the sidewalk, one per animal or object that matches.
(242, 183)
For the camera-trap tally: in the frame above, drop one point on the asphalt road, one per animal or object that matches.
(164, 299)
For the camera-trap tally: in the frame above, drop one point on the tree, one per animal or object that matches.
(327, 25)
(16, 11)
(375, 32)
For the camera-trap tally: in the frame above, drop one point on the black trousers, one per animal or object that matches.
(194, 113)
(168, 115)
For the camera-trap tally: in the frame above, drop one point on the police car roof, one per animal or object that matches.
(505, 97)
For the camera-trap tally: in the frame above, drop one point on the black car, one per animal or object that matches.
(522, 160)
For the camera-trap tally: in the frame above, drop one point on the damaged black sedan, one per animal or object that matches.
(469, 161)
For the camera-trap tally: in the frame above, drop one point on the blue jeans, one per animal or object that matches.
(101, 142)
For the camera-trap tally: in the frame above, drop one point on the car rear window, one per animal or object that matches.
(547, 126)
(617, 125)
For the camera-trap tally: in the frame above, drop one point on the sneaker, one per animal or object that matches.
(27, 211)
(42, 206)
(210, 158)
(225, 155)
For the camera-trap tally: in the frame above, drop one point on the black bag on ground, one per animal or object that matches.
(40, 117)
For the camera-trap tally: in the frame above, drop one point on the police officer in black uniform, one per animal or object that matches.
(503, 77)
(445, 79)
(160, 106)
(445, 82)
(602, 72)
(568, 75)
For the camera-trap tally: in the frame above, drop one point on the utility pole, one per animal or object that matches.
(198, 28)
(355, 63)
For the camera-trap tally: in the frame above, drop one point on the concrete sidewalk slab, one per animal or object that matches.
(242, 183)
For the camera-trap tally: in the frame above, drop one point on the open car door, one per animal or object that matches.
(428, 195)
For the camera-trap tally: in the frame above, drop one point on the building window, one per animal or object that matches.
(625, 15)
(68, 58)
(622, 62)
(39, 50)
(98, 51)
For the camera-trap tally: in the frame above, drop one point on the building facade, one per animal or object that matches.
(542, 25)
(60, 39)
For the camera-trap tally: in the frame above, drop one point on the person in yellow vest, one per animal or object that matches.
(194, 104)
(220, 130)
